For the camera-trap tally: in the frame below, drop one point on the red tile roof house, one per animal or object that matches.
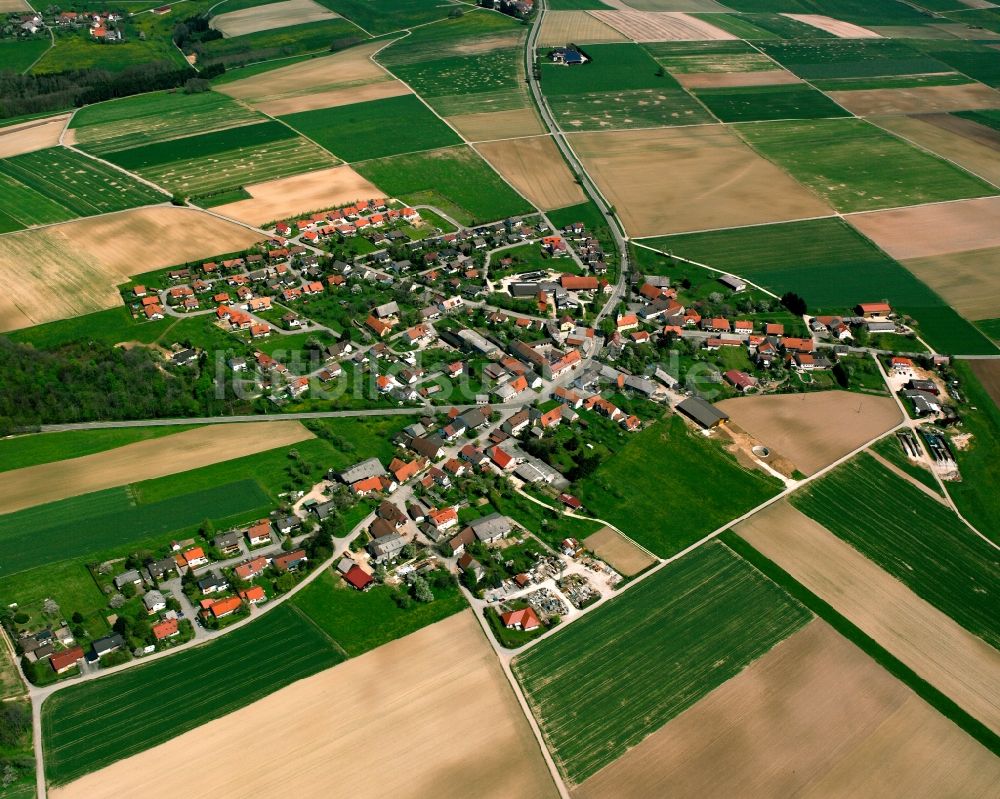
(443, 519)
(504, 461)
(290, 561)
(627, 322)
(254, 596)
(251, 569)
(62, 662)
(358, 578)
(226, 607)
(872, 309)
(740, 380)
(165, 629)
(525, 619)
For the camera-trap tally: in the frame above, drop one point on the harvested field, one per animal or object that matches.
(351, 67)
(644, 26)
(28, 136)
(814, 717)
(423, 697)
(933, 229)
(953, 660)
(969, 281)
(988, 373)
(13, 5)
(76, 265)
(726, 80)
(272, 15)
(331, 98)
(579, 27)
(497, 124)
(969, 144)
(624, 556)
(286, 197)
(649, 174)
(536, 169)
(144, 460)
(815, 429)
(842, 30)
(920, 99)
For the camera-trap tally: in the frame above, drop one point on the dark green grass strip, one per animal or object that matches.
(931, 695)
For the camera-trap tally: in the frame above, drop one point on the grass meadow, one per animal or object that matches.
(764, 27)
(823, 155)
(701, 57)
(852, 58)
(17, 55)
(87, 726)
(640, 490)
(890, 449)
(860, 12)
(311, 37)
(920, 542)
(830, 265)
(454, 179)
(612, 678)
(389, 15)
(758, 103)
(375, 129)
(360, 622)
(613, 68)
(56, 184)
(976, 59)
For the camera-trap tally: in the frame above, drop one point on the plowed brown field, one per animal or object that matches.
(536, 169)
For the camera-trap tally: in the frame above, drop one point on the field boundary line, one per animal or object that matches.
(768, 292)
(333, 641)
(639, 239)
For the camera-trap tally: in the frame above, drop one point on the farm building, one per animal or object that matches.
(703, 413)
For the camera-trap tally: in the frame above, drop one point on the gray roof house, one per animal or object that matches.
(386, 547)
(228, 542)
(491, 528)
(159, 568)
(126, 578)
(110, 643)
(154, 601)
(372, 467)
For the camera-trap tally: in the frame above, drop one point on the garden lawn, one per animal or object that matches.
(90, 725)
(669, 486)
(823, 155)
(755, 103)
(361, 621)
(56, 184)
(375, 129)
(605, 682)
(454, 179)
(920, 542)
(832, 267)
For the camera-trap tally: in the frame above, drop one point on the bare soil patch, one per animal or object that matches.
(672, 180)
(75, 266)
(811, 717)
(144, 460)
(933, 229)
(436, 700)
(378, 90)
(578, 27)
(813, 430)
(536, 169)
(961, 665)
(351, 67)
(725, 80)
(969, 144)
(988, 373)
(286, 197)
(669, 26)
(918, 100)
(273, 15)
(842, 30)
(28, 136)
(623, 556)
(969, 281)
(497, 124)
(13, 5)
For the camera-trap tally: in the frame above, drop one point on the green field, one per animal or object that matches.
(987, 18)
(918, 541)
(978, 61)
(890, 82)
(225, 159)
(617, 675)
(852, 58)
(107, 520)
(890, 449)
(988, 117)
(832, 267)
(756, 103)
(375, 129)
(717, 56)
(360, 622)
(17, 55)
(312, 37)
(156, 117)
(390, 15)
(613, 68)
(455, 179)
(78, 50)
(88, 726)
(56, 184)
(642, 490)
(111, 327)
(578, 5)
(860, 12)
(823, 154)
(990, 327)
(764, 27)
(22, 451)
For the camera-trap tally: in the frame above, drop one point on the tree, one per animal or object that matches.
(77, 617)
(117, 601)
(50, 607)
(409, 551)
(794, 303)
(285, 583)
(421, 590)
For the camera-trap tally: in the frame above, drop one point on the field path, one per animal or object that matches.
(892, 467)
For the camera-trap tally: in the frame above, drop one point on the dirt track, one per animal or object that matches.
(933, 229)
(672, 180)
(536, 169)
(948, 656)
(48, 482)
(815, 429)
(624, 556)
(75, 266)
(29, 136)
(427, 715)
(313, 191)
(814, 717)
